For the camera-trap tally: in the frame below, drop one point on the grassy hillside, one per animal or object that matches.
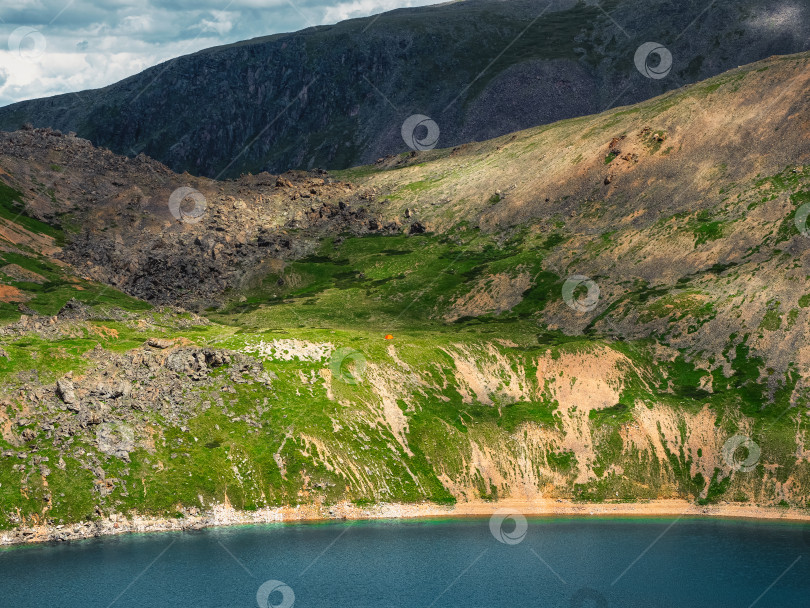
(485, 407)
(452, 359)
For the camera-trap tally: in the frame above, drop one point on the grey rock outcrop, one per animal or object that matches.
(65, 391)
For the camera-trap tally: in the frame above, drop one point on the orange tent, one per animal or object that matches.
(389, 337)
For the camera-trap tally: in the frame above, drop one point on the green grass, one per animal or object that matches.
(334, 436)
(49, 297)
(705, 229)
(385, 282)
(772, 320)
(12, 208)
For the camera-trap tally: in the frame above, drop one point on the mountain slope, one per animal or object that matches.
(122, 230)
(337, 96)
(431, 346)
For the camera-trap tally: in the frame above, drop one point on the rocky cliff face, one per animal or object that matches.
(337, 96)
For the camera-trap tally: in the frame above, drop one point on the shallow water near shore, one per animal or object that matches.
(558, 563)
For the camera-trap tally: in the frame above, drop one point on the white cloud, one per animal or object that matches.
(221, 23)
(361, 8)
(135, 24)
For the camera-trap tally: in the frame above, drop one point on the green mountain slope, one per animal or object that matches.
(431, 344)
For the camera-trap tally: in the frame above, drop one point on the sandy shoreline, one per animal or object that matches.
(224, 515)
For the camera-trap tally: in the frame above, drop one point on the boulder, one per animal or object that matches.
(65, 391)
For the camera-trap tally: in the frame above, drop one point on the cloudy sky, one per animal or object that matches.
(57, 46)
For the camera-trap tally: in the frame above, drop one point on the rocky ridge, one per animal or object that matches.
(337, 96)
(129, 237)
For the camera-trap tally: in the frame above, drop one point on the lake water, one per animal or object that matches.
(567, 563)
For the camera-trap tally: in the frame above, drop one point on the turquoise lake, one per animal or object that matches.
(567, 563)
